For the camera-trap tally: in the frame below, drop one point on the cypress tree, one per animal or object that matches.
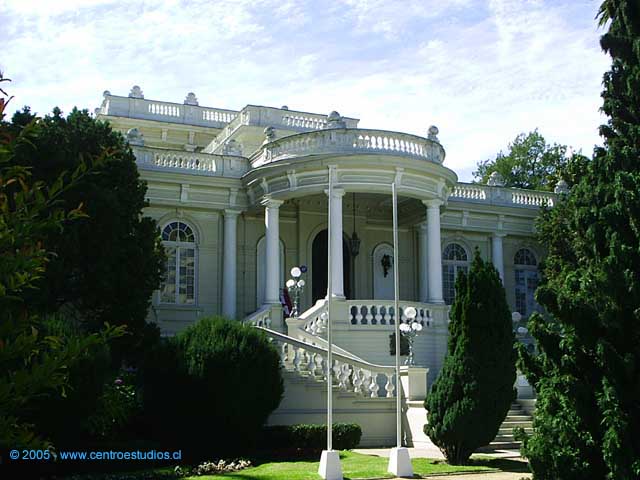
(588, 372)
(474, 390)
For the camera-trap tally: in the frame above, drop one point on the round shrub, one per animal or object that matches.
(210, 389)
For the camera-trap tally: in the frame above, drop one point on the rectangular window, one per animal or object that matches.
(526, 284)
(168, 287)
(179, 284)
(449, 276)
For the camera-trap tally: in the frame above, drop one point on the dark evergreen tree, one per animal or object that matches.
(471, 396)
(587, 375)
(106, 265)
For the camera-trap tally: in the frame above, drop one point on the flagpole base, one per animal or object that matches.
(330, 468)
(400, 462)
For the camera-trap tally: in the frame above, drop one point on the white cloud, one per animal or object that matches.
(482, 72)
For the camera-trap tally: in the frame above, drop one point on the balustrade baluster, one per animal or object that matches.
(366, 378)
(311, 364)
(296, 358)
(357, 380)
(336, 373)
(369, 316)
(352, 315)
(373, 386)
(343, 376)
(389, 386)
(319, 371)
(378, 316)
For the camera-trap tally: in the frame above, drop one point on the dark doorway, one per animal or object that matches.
(320, 252)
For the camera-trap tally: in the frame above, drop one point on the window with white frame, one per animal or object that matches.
(454, 260)
(526, 276)
(179, 286)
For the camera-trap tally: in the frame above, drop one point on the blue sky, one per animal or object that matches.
(482, 71)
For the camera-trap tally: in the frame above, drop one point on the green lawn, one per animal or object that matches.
(354, 465)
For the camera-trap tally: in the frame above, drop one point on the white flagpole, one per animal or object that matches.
(329, 321)
(330, 468)
(399, 460)
(396, 295)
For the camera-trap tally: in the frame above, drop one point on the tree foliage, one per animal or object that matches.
(33, 365)
(108, 263)
(588, 372)
(530, 162)
(210, 389)
(471, 396)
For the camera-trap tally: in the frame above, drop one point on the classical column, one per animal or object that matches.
(423, 266)
(497, 255)
(434, 255)
(272, 251)
(229, 264)
(337, 280)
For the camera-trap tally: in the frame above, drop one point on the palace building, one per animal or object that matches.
(241, 197)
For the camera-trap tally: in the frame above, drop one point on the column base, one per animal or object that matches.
(400, 462)
(330, 468)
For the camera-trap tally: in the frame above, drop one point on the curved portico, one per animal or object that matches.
(361, 161)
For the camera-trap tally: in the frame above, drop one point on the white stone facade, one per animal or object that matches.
(251, 186)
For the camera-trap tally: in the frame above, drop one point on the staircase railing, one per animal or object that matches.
(350, 373)
(261, 317)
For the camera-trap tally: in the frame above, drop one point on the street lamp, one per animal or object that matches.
(295, 288)
(410, 331)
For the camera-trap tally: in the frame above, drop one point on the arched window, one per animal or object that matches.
(179, 286)
(526, 273)
(454, 260)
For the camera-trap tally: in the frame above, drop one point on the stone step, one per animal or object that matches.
(513, 424)
(518, 418)
(500, 446)
(509, 430)
(515, 412)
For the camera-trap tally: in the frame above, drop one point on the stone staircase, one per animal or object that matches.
(517, 416)
(363, 393)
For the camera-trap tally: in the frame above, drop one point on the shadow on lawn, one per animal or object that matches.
(503, 464)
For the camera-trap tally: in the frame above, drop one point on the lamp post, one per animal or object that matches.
(295, 287)
(410, 331)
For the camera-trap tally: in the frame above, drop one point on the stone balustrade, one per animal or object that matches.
(144, 109)
(273, 117)
(381, 312)
(313, 320)
(190, 162)
(471, 192)
(350, 141)
(349, 373)
(260, 318)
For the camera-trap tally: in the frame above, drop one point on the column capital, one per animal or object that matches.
(499, 234)
(433, 203)
(231, 213)
(269, 202)
(337, 192)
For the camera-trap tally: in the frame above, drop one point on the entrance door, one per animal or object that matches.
(320, 252)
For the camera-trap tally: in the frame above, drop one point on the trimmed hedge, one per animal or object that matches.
(209, 390)
(346, 436)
